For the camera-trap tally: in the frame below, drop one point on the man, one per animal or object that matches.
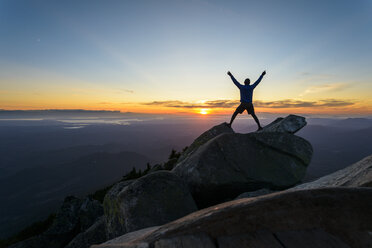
(246, 93)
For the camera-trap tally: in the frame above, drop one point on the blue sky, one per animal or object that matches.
(123, 53)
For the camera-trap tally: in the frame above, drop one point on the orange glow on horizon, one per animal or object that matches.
(204, 111)
(136, 107)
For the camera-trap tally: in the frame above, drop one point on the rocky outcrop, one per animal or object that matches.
(203, 138)
(154, 199)
(290, 124)
(75, 216)
(232, 163)
(356, 175)
(93, 235)
(326, 217)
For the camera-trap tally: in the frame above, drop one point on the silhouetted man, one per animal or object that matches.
(246, 93)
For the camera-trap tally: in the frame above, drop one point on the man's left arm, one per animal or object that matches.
(259, 79)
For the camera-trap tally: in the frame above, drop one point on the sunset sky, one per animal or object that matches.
(172, 56)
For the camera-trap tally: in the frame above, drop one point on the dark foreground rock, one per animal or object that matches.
(233, 163)
(326, 217)
(154, 199)
(355, 175)
(255, 193)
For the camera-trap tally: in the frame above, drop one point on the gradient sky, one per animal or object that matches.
(172, 56)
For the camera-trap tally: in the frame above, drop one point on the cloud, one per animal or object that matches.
(303, 104)
(120, 91)
(325, 88)
(204, 104)
(128, 91)
(289, 103)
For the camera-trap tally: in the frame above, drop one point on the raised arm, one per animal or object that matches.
(234, 80)
(259, 79)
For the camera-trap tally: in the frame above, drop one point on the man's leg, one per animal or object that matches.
(257, 121)
(250, 111)
(233, 117)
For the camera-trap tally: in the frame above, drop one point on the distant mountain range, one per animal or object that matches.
(335, 148)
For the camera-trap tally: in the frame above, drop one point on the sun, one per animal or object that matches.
(204, 111)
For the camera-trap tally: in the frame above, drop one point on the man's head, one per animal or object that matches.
(247, 81)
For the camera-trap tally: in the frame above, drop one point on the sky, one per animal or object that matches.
(173, 56)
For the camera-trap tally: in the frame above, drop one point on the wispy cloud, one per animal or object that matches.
(289, 103)
(325, 88)
(126, 90)
(303, 104)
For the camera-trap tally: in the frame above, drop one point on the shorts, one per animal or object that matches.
(245, 106)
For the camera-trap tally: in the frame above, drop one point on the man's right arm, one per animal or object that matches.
(234, 80)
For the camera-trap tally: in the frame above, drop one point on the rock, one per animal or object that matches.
(326, 217)
(67, 217)
(154, 199)
(111, 207)
(356, 175)
(290, 124)
(185, 241)
(93, 235)
(255, 193)
(233, 163)
(90, 211)
(203, 138)
(74, 216)
(129, 237)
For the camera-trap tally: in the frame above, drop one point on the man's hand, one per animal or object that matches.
(263, 73)
(229, 73)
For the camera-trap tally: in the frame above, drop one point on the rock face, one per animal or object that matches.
(95, 234)
(154, 199)
(326, 217)
(204, 137)
(356, 175)
(111, 207)
(231, 163)
(290, 124)
(75, 216)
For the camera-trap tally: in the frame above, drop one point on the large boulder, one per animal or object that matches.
(154, 199)
(233, 163)
(203, 138)
(327, 217)
(111, 207)
(356, 175)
